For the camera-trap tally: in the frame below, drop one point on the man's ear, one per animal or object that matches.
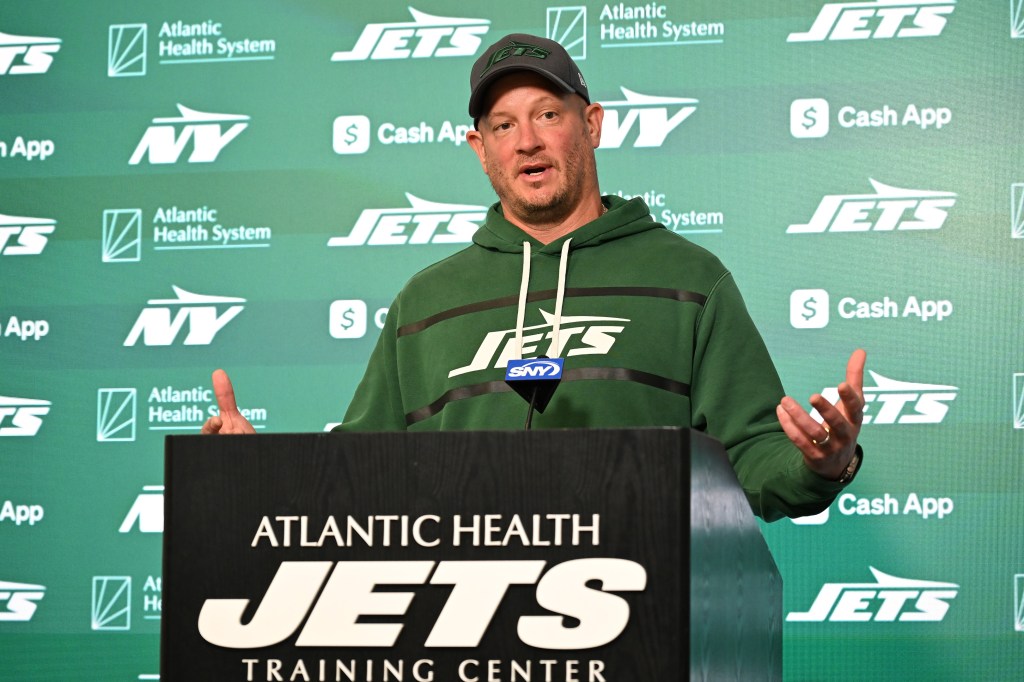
(476, 140)
(594, 117)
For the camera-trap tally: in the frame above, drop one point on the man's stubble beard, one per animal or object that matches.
(559, 205)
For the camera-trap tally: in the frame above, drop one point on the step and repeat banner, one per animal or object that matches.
(192, 185)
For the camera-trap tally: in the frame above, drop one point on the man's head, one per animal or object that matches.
(536, 134)
(522, 52)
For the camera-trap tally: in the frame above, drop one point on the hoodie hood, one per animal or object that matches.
(624, 217)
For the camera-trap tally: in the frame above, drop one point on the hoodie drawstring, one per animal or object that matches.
(563, 266)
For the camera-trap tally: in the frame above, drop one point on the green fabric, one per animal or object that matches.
(674, 315)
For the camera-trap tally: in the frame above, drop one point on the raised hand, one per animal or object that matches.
(230, 420)
(829, 446)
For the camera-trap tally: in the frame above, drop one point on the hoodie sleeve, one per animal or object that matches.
(734, 391)
(377, 403)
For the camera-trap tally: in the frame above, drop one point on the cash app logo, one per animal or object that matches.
(808, 308)
(808, 117)
(351, 135)
(348, 319)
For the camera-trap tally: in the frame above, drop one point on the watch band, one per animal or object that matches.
(851, 469)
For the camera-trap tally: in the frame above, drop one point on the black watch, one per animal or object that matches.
(851, 469)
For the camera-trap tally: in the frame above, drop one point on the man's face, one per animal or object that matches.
(536, 145)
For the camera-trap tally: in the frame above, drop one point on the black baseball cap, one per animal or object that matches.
(523, 52)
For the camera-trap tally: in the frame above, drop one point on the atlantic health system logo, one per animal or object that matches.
(115, 415)
(567, 26)
(179, 42)
(176, 229)
(126, 50)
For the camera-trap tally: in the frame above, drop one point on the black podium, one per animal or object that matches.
(561, 555)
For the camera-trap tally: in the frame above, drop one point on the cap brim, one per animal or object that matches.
(476, 100)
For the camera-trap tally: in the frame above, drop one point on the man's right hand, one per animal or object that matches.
(230, 420)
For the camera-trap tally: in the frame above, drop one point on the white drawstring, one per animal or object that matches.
(563, 265)
(524, 286)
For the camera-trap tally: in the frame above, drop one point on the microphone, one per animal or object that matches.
(535, 380)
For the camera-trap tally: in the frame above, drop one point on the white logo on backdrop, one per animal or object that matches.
(26, 54)
(147, 511)
(122, 235)
(809, 309)
(126, 50)
(889, 208)
(20, 236)
(351, 134)
(157, 327)
(1016, 210)
(115, 415)
(899, 402)
(1018, 602)
(880, 19)
(424, 222)
(1018, 400)
(18, 600)
(425, 36)
(888, 599)
(348, 319)
(163, 143)
(567, 26)
(651, 115)
(22, 416)
(111, 603)
(809, 117)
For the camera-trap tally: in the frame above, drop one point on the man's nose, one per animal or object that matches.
(528, 140)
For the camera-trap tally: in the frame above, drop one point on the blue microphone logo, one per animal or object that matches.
(524, 370)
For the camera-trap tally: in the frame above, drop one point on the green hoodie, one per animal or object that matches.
(653, 332)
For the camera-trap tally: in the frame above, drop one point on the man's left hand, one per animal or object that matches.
(829, 446)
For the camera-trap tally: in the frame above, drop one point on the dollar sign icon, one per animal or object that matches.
(348, 318)
(810, 118)
(351, 134)
(809, 309)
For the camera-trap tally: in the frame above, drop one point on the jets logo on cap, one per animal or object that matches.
(514, 49)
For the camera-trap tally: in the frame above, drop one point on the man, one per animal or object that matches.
(652, 328)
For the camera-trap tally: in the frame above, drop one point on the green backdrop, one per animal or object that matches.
(193, 184)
